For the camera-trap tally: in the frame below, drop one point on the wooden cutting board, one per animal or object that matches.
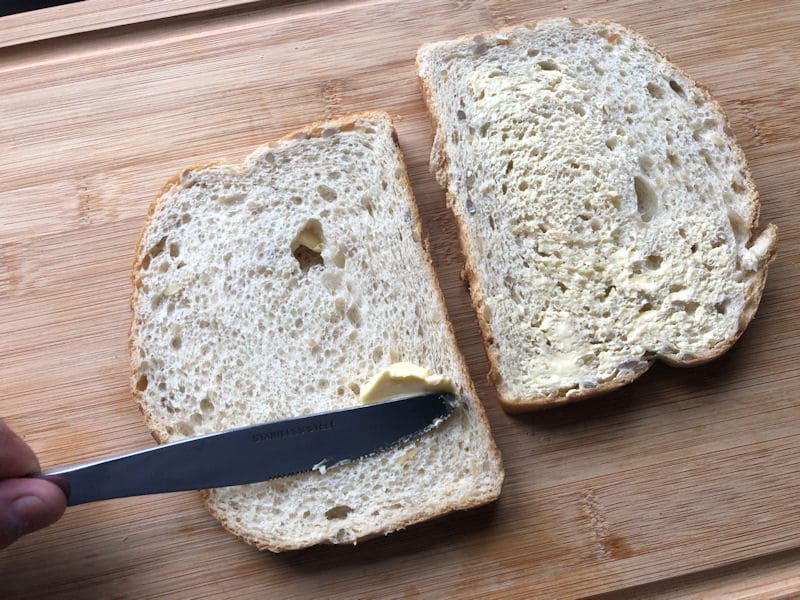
(685, 482)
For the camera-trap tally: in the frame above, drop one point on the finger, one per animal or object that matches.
(27, 505)
(16, 457)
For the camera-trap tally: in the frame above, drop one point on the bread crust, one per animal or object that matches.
(313, 130)
(512, 404)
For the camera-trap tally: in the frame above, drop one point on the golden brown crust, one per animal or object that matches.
(513, 404)
(312, 130)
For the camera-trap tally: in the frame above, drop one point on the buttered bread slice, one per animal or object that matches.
(297, 283)
(607, 214)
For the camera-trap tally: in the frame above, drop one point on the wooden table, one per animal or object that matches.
(686, 482)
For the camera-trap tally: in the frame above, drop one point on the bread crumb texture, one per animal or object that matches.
(608, 215)
(277, 289)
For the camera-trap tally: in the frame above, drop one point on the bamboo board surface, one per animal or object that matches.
(684, 483)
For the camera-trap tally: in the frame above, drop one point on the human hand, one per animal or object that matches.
(26, 504)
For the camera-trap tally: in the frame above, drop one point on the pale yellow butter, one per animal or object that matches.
(401, 380)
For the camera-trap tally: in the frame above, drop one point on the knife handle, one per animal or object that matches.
(134, 474)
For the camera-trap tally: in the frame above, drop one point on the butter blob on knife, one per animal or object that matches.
(404, 379)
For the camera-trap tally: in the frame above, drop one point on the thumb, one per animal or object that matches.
(27, 505)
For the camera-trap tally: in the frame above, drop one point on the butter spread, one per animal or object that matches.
(404, 379)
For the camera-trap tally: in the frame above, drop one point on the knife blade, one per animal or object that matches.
(255, 453)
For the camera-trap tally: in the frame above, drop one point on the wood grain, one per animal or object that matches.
(680, 485)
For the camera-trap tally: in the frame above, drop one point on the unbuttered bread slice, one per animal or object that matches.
(278, 288)
(607, 215)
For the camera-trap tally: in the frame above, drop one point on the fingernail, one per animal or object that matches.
(22, 514)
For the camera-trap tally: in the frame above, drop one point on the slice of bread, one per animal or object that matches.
(278, 288)
(607, 215)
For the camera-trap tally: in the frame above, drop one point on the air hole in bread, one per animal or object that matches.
(461, 115)
(547, 65)
(491, 222)
(611, 143)
(523, 185)
(675, 86)
(158, 248)
(326, 193)
(206, 406)
(653, 262)
(645, 163)
(354, 316)
(141, 383)
(561, 286)
(338, 259)
(185, 429)
(176, 342)
(578, 109)
(470, 205)
(377, 354)
(306, 246)
(532, 52)
(384, 184)
(609, 290)
(355, 388)
(694, 248)
(646, 307)
(509, 166)
(174, 250)
(646, 199)
(737, 186)
(655, 90)
(504, 188)
(673, 160)
(691, 308)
